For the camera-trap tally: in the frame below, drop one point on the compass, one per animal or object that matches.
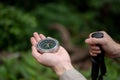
(48, 45)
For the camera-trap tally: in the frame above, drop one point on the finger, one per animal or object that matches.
(49, 37)
(62, 51)
(88, 41)
(96, 52)
(33, 41)
(93, 41)
(35, 53)
(36, 36)
(94, 47)
(92, 54)
(42, 36)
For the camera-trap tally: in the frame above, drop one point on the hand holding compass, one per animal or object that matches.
(59, 61)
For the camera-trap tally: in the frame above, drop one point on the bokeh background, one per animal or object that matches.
(69, 21)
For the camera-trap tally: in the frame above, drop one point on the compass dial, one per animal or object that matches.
(47, 45)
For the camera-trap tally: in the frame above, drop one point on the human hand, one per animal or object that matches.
(111, 48)
(58, 61)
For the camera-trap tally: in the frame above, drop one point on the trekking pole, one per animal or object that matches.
(98, 63)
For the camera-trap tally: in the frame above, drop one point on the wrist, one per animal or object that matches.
(61, 68)
(116, 51)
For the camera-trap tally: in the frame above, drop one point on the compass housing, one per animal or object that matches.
(48, 45)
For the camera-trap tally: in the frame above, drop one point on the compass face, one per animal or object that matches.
(47, 45)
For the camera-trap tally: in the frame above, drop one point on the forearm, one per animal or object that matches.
(67, 72)
(72, 75)
(62, 67)
(116, 53)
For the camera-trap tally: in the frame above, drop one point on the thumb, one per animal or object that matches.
(35, 53)
(91, 41)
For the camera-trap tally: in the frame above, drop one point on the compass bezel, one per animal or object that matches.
(41, 49)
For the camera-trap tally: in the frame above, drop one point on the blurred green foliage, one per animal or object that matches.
(16, 28)
(24, 68)
(20, 18)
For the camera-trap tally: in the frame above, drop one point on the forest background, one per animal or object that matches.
(69, 21)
